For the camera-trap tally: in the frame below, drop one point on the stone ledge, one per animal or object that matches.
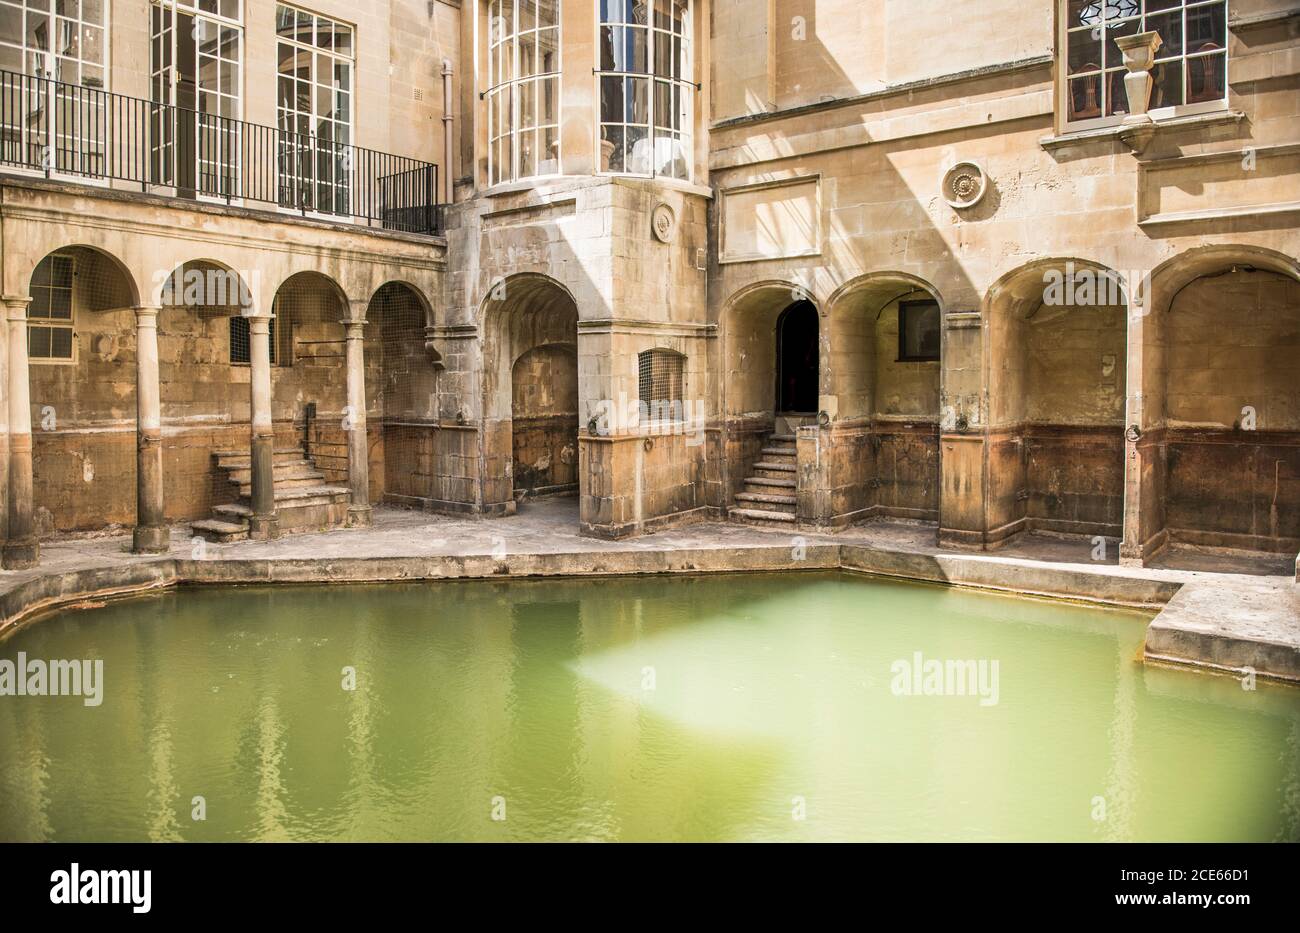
(1215, 621)
(1115, 133)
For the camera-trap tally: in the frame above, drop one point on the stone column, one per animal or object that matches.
(151, 535)
(20, 549)
(264, 523)
(354, 424)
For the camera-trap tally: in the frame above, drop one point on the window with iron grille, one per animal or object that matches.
(241, 340)
(659, 383)
(49, 316)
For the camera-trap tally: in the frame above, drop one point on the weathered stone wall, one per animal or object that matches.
(544, 419)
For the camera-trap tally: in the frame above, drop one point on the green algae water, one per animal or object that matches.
(738, 707)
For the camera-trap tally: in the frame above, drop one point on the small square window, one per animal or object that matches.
(918, 331)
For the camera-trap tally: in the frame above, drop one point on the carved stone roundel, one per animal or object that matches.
(964, 185)
(663, 222)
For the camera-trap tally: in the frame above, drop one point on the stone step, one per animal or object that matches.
(297, 482)
(781, 483)
(783, 438)
(310, 495)
(233, 511)
(774, 467)
(780, 451)
(280, 474)
(218, 531)
(234, 459)
(763, 515)
(782, 503)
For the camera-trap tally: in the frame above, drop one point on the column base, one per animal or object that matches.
(264, 527)
(21, 554)
(359, 516)
(151, 539)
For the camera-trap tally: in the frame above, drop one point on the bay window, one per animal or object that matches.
(646, 91)
(1190, 72)
(523, 96)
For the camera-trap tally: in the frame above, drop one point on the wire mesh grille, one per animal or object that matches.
(659, 384)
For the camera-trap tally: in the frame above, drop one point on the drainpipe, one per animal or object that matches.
(446, 128)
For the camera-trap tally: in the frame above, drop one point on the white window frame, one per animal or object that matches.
(510, 88)
(686, 85)
(168, 149)
(344, 166)
(1109, 67)
(45, 64)
(52, 323)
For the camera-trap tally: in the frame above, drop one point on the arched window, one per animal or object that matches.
(660, 378)
(646, 90)
(1190, 64)
(523, 94)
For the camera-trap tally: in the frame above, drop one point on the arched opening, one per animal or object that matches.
(203, 376)
(1223, 414)
(544, 421)
(82, 378)
(770, 351)
(884, 377)
(1057, 384)
(309, 381)
(402, 388)
(797, 360)
(531, 400)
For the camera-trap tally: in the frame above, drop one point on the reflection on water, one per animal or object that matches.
(682, 708)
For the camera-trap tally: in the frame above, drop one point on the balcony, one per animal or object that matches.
(88, 134)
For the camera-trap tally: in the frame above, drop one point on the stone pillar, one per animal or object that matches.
(151, 535)
(264, 523)
(20, 549)
(354, 424)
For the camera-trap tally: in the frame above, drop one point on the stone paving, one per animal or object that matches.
(1226, 612)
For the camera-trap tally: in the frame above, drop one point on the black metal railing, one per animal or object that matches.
(70, 130)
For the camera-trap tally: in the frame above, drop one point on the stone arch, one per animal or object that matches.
(1220, 412)
(885, 408)
(82, 384)
(403, 377)
(1056, 364)
(749, 319)
(203, 380)
(520, 314)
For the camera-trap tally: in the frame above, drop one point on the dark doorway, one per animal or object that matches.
(796, 359)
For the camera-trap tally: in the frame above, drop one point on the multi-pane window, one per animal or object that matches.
(316, 58)
(523, 96)
(1190, 65)
(49, 316)
(196, 54)
(60, 39)
(660, 374)
(918, 331)
(50, 50)
(241, 340)
(646, 92)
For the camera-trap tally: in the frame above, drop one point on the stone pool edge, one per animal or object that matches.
(1170, 639)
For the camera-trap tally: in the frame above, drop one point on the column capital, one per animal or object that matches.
(16, 307)
(146, 313)
(355, 329)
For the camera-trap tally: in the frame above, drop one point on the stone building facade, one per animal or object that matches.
(806, 263)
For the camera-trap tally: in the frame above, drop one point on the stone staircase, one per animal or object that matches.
(304, 502)
(769, 494)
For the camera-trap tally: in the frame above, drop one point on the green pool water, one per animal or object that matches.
(758, 707)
